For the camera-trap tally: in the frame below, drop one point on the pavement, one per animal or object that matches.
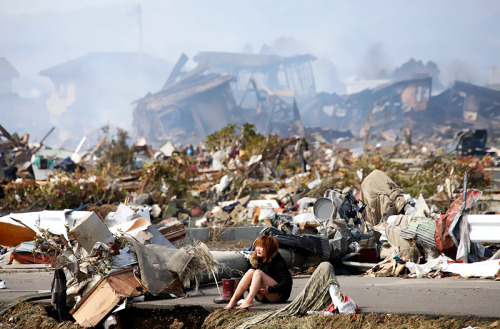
(454, 297)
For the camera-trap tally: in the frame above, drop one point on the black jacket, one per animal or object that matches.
(277, 269)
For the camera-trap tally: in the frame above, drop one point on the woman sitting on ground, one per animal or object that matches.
(268, 278)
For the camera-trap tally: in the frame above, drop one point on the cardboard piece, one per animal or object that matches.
(137, 228)
(91, 229)
(240, 213)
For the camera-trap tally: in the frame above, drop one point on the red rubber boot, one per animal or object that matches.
(227, 292)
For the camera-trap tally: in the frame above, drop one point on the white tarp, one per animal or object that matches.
(54, 221)
(483, 269)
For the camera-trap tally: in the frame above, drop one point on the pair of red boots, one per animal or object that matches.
(228, 288)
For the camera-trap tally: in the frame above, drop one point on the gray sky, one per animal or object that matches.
(349, 38)
(462, 37)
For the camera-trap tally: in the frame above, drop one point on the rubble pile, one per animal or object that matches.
(116, 234)
(104, 260)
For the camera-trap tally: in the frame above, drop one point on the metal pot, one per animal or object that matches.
(324, 207)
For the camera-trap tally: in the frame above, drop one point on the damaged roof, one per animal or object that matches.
(237, 60)
(106, 61)
(183, 90)
(470, 104)
(7, 70)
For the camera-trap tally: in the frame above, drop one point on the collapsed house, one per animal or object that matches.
(191, 109)
(278, 95)
(277, 73)
(465, 105)
(394, 109)
(386, 108)
(77, 101)
(194, 104)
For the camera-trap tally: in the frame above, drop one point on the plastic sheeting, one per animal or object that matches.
(445, 239)
(156, 264)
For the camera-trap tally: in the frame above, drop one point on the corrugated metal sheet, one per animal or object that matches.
(422, 229)
(409, 232)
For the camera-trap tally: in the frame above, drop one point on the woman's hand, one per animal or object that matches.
(264, 290)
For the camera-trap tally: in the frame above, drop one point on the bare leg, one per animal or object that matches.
(259, 279)
(245, 282)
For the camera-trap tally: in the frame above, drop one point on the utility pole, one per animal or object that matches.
(141, 50)
(139, 18)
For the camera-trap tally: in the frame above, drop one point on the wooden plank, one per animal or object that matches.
(175, 235)
(171, 228)
(173, 232)
(126, 283)
(95, 305)
(105, 295)
(176, 70)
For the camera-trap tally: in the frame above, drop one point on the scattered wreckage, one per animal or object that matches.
(104, 262)
(15, 151)
(113, 255)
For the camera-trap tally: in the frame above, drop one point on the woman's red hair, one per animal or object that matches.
(269, 245)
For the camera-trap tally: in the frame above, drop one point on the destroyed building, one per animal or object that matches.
(465, 105)
(386, 111)
(413, 68)
(14, 106)
(278, 95)
(275, 72)
(98, 88)
(379, 109)
(193, 104)
(192, 108)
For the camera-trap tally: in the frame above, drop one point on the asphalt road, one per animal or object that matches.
(436, 297)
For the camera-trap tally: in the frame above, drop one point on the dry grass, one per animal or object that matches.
(225, 319)
(222, 318)
(229, 245)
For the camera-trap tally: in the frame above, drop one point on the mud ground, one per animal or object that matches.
(31, 316)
